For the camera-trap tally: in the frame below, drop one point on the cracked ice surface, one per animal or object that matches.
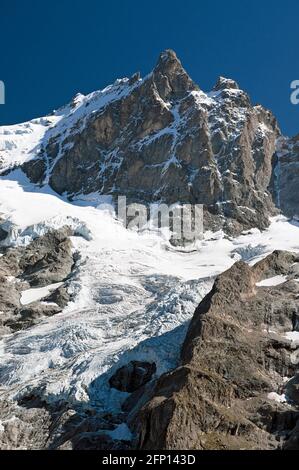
(133, 297)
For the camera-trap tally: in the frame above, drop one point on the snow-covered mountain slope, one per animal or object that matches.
(133, 297)
(21, 143)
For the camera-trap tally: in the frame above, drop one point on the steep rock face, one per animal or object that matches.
(286, 176)
(162, 139)
(236, 366)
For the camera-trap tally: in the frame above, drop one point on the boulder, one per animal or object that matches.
(131, 377)
(47, 260)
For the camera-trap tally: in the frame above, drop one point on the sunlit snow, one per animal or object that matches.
(32, 295)
(272, 281)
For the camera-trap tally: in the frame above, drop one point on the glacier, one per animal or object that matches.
(133, 296)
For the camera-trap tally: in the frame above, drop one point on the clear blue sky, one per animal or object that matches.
(50, 50)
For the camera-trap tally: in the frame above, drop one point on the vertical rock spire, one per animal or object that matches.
(171, 80)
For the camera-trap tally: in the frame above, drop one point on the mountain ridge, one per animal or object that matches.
(162, 139)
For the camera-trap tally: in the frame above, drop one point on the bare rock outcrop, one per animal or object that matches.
(45, 261)
(131, 377)
(234, 388)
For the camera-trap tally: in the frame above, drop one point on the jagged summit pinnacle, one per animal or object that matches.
(135, 78)
(225, 83)
(168, 62)
(170, 77)
(168, 55)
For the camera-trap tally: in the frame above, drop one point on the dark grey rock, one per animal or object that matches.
(285, 178)
(292, 389)
(46, 260)
(59, 296)
(133, 376)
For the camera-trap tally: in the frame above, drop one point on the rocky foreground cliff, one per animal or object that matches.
(237, 385)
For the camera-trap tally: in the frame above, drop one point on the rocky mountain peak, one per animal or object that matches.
(161, 138)
(167, 62)
(170, 77)
(225, 83)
